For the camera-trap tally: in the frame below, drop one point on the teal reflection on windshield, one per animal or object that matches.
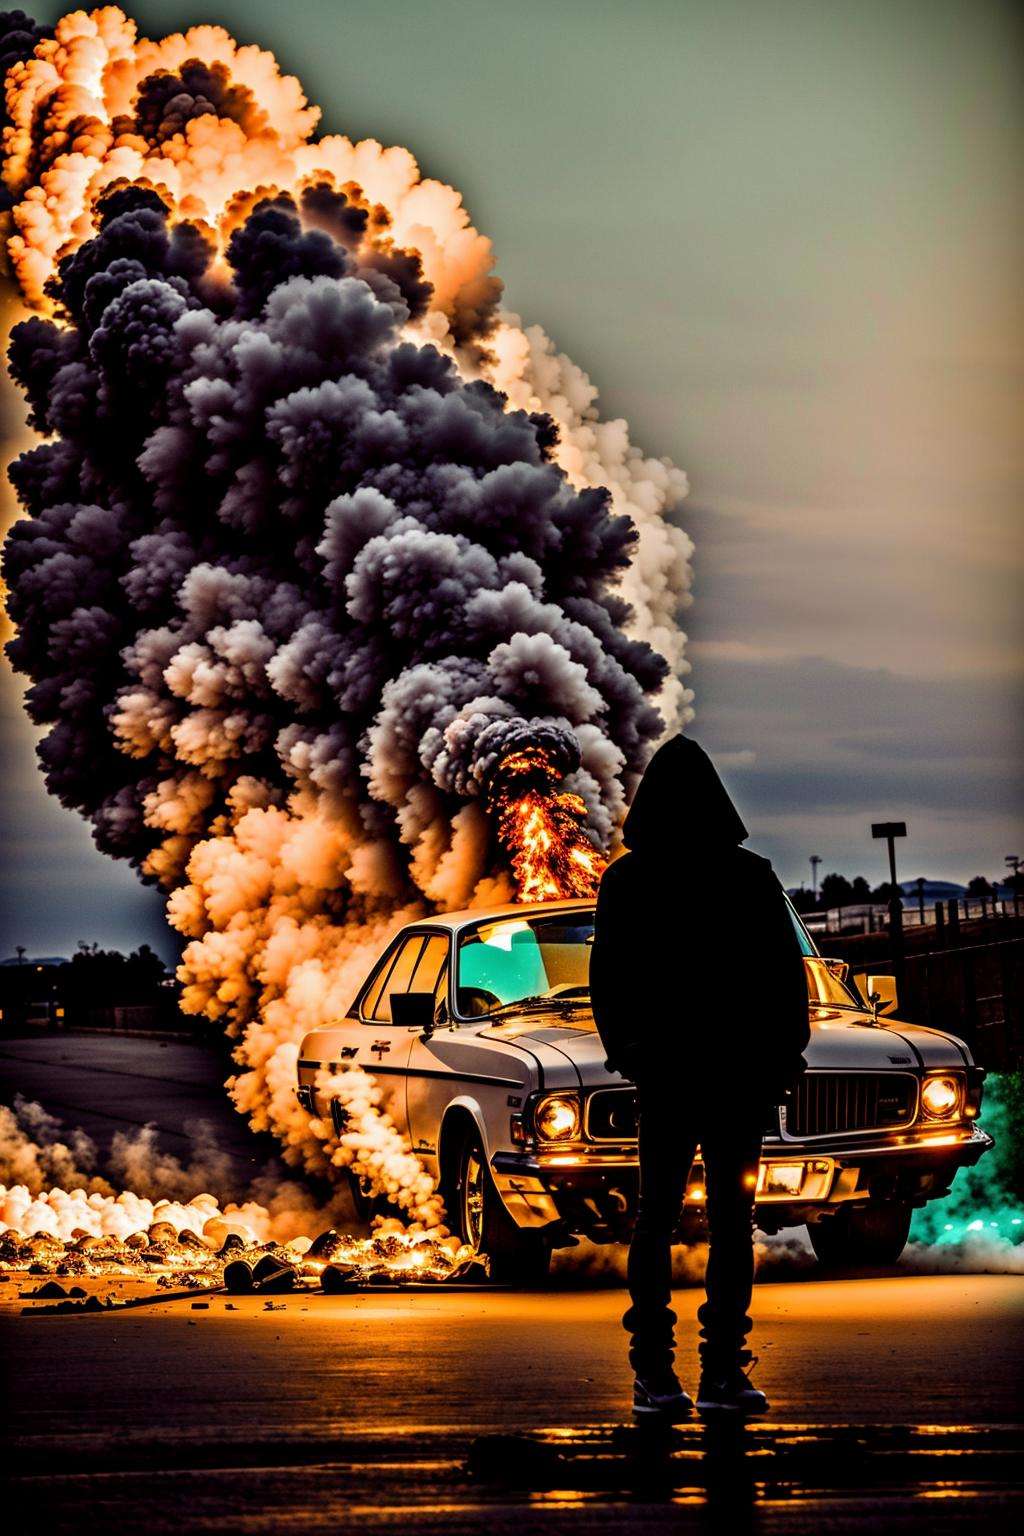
(504, 961)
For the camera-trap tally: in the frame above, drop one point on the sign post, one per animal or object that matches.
(891, 830)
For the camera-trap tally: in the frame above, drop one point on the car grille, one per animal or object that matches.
(822, 1104)
(826, 1103)
(612, 1116)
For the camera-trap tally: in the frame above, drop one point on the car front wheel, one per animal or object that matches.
(475, 1208)
(875, 1235)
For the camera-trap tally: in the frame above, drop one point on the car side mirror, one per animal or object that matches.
(883, 994)
(840, 969)
(413, 1010)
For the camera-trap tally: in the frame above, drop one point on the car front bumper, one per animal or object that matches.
(592, 1191)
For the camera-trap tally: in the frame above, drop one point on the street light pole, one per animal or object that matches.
(1013, 860)
(891, 830)
(815, 861)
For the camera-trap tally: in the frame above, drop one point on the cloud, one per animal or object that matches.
(872, 672)
(846, 582)
(745, 757)
(94, 898)
(836, 746)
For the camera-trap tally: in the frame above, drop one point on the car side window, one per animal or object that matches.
(428, 966)
(441, 992)
(398, 979)
(375, 988)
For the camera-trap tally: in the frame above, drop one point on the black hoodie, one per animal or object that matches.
(696, 968)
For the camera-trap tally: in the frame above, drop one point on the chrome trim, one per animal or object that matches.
(536, 1163)
(380, 1069)
(923, 1143)
(588, 1098)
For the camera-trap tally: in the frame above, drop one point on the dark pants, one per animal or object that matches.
(672, 1122)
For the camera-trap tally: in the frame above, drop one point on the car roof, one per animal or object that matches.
(451, 922)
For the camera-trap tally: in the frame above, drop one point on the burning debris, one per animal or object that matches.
(177, 1239)
(198, 1245)
(338, 600)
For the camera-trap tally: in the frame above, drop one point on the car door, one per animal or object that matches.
(368, 1039)
(382, 1047)
(454, 1062)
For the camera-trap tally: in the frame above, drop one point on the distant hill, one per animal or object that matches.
(934, 890)
(36, 960)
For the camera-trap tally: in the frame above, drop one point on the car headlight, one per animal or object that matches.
(940, 1096)
(558, 1118)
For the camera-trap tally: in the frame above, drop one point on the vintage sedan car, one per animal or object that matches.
(478, 1027)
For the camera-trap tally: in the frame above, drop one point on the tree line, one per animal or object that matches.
(838, 891)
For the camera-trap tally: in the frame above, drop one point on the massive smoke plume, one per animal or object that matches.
(319, 541)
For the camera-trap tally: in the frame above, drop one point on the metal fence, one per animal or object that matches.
(873, 917)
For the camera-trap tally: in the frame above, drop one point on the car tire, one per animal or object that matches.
(478, 1216)
(874, 1235)
(365, 1204)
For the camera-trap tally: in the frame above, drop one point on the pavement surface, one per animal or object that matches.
(105, 1083)
(894, 1406)
(895, 1400)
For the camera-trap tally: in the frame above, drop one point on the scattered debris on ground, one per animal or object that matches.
(168, 1263)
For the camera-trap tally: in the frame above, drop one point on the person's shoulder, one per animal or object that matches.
(754, 860)
(619, 870)
(756, 867)
(624, 882)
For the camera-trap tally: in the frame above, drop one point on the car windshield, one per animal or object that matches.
(824, 987)
(542, 960)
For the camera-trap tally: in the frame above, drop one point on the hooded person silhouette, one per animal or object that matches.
(699, 995)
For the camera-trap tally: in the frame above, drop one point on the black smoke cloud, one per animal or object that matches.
(168, 101)
(19, 35)
(272, 546)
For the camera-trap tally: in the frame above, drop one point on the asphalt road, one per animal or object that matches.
(895, 1401)
(108, 1083)
(380, 1412)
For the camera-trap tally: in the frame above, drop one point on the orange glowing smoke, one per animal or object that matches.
(73, 135)
(542, 829)
(257, 891)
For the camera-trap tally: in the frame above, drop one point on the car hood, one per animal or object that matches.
(841, 1040)
(842, 1037)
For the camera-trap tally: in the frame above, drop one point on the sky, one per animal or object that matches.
(785, 241)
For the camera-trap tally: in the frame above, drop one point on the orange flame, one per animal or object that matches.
(542, 828)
